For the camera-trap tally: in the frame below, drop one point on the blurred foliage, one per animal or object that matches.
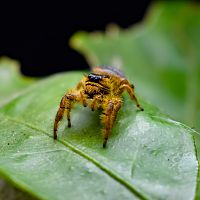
(11, 80)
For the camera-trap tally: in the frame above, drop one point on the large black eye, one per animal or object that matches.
(94, 78)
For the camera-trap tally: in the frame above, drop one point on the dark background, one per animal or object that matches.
(37, 34)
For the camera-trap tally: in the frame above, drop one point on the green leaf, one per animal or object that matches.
(161, 56)
(149, 156)
(11, 81)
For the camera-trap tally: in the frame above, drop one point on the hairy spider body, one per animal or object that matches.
(101, 89)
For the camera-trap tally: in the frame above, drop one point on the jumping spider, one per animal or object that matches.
(101, 89)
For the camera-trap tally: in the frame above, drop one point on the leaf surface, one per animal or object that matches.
(149, 156)
(12, 83)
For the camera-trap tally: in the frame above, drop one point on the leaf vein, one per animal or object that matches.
(85, 156)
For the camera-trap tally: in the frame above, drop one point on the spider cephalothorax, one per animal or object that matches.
(101, 89)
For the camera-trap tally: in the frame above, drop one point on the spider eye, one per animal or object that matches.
(94, 78)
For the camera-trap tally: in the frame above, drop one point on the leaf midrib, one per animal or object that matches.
(85, 156)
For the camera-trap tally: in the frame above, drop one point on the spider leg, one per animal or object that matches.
(83, 97)
(109, 114)
(80, 85)
(117, 106)
(130, 89)
(94, 104)
(66, 104)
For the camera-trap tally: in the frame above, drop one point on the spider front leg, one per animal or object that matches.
(66, 104)
(109, 114)
(130, 89)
